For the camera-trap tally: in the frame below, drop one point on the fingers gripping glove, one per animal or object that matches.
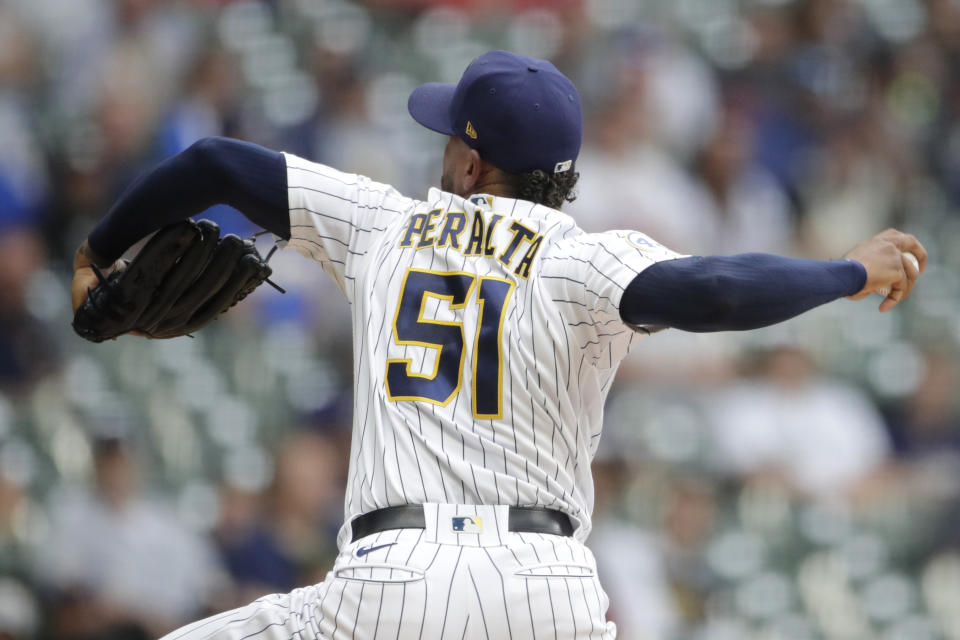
(183, 278)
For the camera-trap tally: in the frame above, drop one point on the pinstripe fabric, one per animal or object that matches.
(553, 292)
(524, 587)
(562, 341)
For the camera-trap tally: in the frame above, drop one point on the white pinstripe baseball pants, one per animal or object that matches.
(435, 584)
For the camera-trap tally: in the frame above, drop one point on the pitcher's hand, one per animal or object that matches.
(887, 266)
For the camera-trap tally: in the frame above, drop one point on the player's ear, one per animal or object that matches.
(472, 168)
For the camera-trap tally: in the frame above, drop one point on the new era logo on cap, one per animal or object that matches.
(528, 111)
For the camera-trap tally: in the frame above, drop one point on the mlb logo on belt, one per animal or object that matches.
(467, 524)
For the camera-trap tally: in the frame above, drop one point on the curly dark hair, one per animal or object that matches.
(549, 189)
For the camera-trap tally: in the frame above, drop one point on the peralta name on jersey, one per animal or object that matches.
(440, 229)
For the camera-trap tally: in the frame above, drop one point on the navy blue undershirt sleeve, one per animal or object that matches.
(213, 171)
(733, 293)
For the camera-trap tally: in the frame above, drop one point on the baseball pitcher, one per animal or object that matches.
(487, 330)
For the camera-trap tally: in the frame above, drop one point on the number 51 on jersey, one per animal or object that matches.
(410, 328)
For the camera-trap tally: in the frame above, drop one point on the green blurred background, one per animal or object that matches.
(800, 482)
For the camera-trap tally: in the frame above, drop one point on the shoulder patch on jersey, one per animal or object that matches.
(642, 241)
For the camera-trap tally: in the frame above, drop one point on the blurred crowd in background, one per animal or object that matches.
(800, 482)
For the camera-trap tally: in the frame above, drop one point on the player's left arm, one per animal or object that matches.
(747, 291)
(248, 177)
(213, 171)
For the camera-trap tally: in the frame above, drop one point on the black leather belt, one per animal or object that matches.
(410, 516)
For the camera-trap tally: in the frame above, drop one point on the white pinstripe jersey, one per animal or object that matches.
(486, 337)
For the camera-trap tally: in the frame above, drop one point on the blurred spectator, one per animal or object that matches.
(209, 107)
(821, 436)
(630, 177)
(27, 347)
(745, 209)
(20, 614)
(804, 74)
(113, 66)
(23, 176)
(78, 40)
(106, 145)
(118, 560)
(629, 558)
(345, 135)
(285, 539)
(928, 423)
(688, 522)
(925, 430)
(256, 562)
(15, 554)
(19, 611)
(626, 180)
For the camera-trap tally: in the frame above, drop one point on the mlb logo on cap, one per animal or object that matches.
(520, 113)
(466, 524)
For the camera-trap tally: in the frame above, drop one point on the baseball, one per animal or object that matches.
(916, 264)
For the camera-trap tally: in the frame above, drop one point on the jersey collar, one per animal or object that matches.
(478, 200)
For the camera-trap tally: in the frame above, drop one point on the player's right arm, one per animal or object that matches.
(747, 291)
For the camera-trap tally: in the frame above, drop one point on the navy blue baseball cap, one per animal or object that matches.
(519, 113)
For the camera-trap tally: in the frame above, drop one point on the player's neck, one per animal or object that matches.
(489, 191)
(491, 185)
